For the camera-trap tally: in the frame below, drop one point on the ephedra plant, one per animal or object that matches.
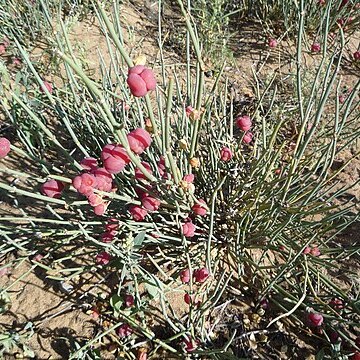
(153, 173)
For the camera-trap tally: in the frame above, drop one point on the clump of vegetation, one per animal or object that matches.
(156, 176)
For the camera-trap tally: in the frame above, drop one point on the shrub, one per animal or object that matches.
(233, 211)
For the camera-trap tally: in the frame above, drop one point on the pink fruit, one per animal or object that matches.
(137, 212)
(272, 43)
(124, 330)
(336, 304)
(95, 200)
(200, 209)
(48, 86)
(315, 319)
(102, 258)
(4, 147)
(188, 229)
(107, 237)
(114, 165)
(2, 49)
(243, 122)
(189, 109)
(52, 188)
(150, 203)
(307, 250)
(139, 175)
(200, 275)
(85, 183)
(89, 163)
(189, 178)
(356, 55)
(141, 80)
(315, 251)
(16, 62)
(190, 345)
(139, 140)
(225, 154)
(129, 300)
(185, 276)
(187, 299)
(315, 47)
(247, 137)
(112, 225)
(100, 209)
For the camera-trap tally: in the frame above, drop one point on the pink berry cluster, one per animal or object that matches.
(188, 228)
(314, 251)
(4, 147)
(114, 158)
(199, 276)
(244, 123)
(141, 80)
(146, 193)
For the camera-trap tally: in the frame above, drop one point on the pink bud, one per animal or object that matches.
(199, 209)
(189, 109)
(102, 258)
(48, 86)
(185, 276)
(189, 178)
(137, 212)
(52, 188)
(264, 303)
(272, 43)
(114, 165)
(342, 99)
(139, 140)
(84, 183)
(2, 49)
(129, 300)
(89, 163)
(124, 330)
(150, 203)
(315, 319)
(336, 304)
(4, 147)
(38, 257)
(139, 175)
(307, 250)
(95, 200)
(103, 179)
(315, 251)
(243, 122)
(188, 229)
(200, 275)
(356, 55)
(16, 62)
(315, 47)
(190, 345)
(225, 154)
(107, 237)
(141, 80)
(247, 137)
(334, 337)
(112, 225)
(100, 209)
(187, 299)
